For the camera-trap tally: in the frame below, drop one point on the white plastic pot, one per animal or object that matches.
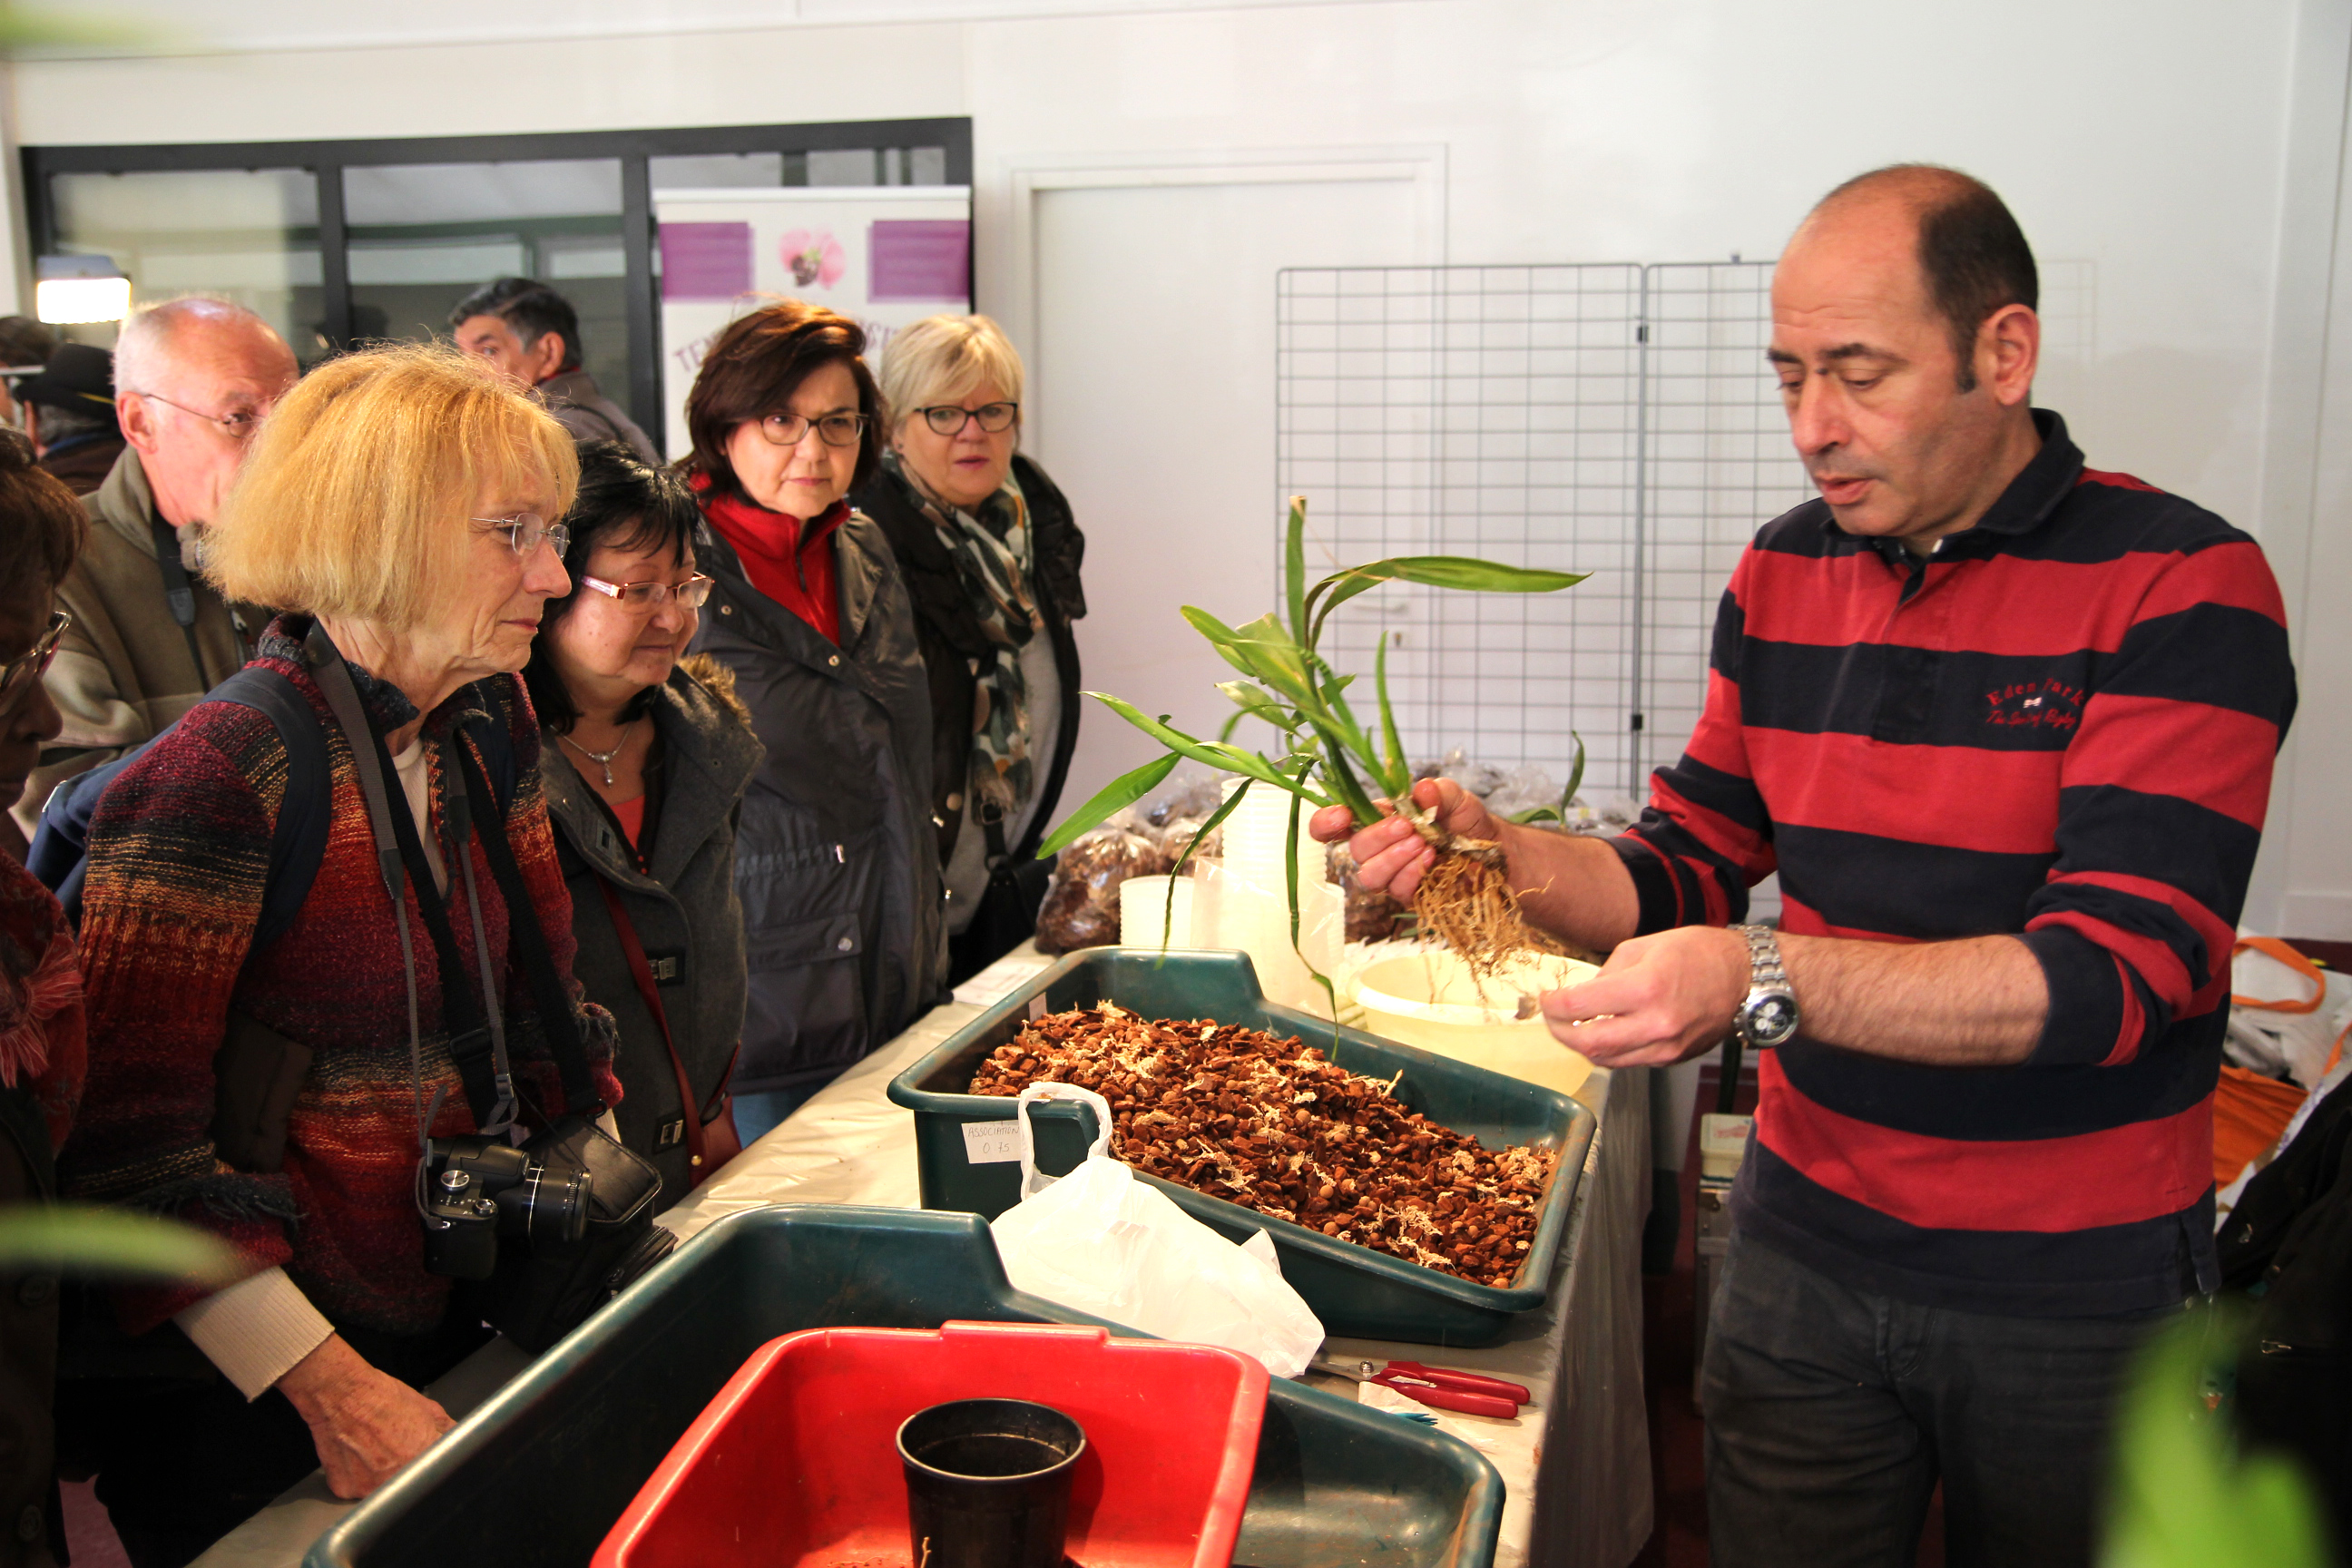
(1431, 1000)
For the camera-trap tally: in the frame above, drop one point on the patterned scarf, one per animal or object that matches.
(991, 550)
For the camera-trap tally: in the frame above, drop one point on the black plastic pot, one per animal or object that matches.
(987, 1483)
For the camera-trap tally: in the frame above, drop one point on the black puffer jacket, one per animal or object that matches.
(683, 907)
(950, 636)
(844, 929)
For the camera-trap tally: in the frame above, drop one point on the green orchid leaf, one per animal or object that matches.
(1254, 700)
(1343, 783)
(1461, 573)
(1575, 777)
(1216, 820)
(1294, 568)
(1114, 797)
(1222, 638)
(1280, 663)
(89, 1239)
(1469, 575)
(1395, 773)
(1224, 758)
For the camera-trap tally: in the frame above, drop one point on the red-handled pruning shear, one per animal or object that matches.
(1439, 1387)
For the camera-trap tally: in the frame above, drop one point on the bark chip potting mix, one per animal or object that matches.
(1273, 1125)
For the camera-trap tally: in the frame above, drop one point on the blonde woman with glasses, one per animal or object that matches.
(400, 503)
(991, 555)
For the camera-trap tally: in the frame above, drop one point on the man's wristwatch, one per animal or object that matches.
(1768, 1016)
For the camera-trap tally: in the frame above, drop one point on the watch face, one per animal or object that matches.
(1770, 1019)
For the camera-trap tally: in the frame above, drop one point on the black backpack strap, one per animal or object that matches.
(179, 593)
(304, 813)
(60, 853)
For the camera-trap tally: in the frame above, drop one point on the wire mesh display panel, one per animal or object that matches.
(1717, 466)
(1610, 418)
(1490, 411)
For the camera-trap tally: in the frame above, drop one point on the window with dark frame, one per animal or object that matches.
(335, 242)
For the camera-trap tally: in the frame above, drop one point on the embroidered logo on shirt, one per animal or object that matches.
(2046, 704)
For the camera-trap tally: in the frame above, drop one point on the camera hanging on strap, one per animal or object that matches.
(550, 1229)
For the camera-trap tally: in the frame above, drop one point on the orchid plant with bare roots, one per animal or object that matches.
(1327, 755)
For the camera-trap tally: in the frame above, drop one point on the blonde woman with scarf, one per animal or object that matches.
(990, 555)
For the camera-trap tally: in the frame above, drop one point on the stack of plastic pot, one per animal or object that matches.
(1244, 901)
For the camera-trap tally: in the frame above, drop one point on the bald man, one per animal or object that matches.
(2004, 725)
(193, 379)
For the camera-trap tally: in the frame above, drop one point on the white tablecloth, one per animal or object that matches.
(1575, 1464)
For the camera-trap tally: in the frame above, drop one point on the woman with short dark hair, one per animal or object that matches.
(836, 862)
(645, 763)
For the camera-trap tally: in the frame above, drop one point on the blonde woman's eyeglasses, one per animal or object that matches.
(527, 530)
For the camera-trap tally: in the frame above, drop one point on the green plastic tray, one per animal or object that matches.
(1355, 1291)
(541, 1472)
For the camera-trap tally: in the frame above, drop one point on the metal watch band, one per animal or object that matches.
(1764, 967)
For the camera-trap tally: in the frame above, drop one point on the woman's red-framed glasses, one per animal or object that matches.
(646, 597)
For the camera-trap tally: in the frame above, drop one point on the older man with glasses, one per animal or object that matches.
(192, 380)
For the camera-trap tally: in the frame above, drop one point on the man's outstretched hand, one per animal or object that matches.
(1391, 857)
(1660, 999)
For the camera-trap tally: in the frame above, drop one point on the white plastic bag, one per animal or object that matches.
(1101, 1241)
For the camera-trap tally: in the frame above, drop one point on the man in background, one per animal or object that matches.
(69, 416)
(531, 334)
(192, 380)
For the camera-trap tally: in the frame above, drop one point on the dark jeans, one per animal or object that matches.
(1831, 1413)
(181, 1462)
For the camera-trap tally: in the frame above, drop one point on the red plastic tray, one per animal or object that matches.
(795, 1464)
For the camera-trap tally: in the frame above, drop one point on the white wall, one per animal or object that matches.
(2178, 146)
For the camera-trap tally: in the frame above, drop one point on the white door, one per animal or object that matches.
(1151, 404)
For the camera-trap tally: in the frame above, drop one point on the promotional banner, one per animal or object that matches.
(882, 255)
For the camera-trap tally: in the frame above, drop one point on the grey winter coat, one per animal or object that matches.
(683, 907)
(835, 858)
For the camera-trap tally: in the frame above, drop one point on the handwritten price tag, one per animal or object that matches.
(991, 1142)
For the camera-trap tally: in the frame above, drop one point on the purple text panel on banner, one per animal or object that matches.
(920, 260)
(706, 260)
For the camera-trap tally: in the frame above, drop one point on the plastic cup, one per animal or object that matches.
(987, 1483)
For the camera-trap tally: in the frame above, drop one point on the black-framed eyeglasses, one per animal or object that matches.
(239, 424)
(947, 419)
(527, 530)
(19, 673)
(833, 429)
(644, 598)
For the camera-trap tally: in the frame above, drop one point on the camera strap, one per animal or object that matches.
(478, 1052)
(559, 1021)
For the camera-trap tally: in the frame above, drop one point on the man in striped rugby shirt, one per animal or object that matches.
(2004, 725)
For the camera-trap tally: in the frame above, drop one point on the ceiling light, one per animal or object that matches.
(72, 289)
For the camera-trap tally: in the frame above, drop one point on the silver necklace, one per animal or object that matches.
(602, 759)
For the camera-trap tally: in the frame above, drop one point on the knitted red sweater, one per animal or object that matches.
(179, 855)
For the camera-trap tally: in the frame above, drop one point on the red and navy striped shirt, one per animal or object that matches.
(2059, 724)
